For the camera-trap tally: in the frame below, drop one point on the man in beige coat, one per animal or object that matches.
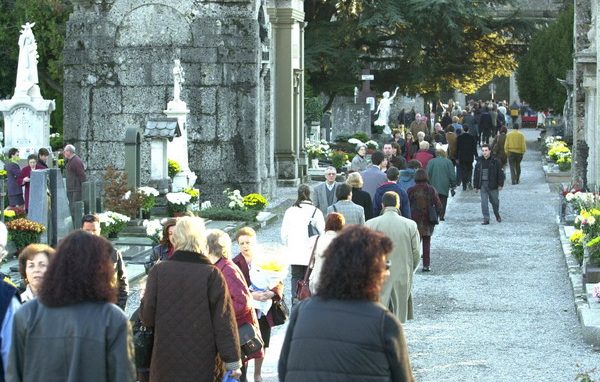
(405, 256)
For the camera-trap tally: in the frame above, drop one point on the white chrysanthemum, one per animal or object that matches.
(178, 198)
(148, 191)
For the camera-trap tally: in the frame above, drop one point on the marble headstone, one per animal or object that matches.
(38, 201)
(60, 215)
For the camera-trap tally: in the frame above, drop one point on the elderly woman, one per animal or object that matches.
(188, 305)
(333, 225)
(219, 252)
(83, 334)
(246, 239)
(360, 197)
(359, 162)
(423, 155)
(421, 196)
(165, 249)
(33, 263)
(343, 333)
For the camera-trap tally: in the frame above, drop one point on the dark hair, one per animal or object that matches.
(396, 146)
(342, 191)
(334, 222)
(82, 271)
(392, 174)
(12, 152)
(165, 234)
(516, 126)
(414, 163)
(303, 194)
(485, 145)
(465, 128)
(421, 176)
(390, 199)
(398, 162)
(29, 252)
(377, 157)
(450, 129)
(31, 156)
(90, 218)
(43, 151)
(354, 262)
(503, 130)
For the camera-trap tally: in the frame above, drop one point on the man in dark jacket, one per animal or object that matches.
(75, 172)
(489, 178)
(91, 224)
(466, 151)
(393, 174)
(486, 125)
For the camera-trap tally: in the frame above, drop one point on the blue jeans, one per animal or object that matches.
(491, 196)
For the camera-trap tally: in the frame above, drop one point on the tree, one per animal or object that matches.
(50, 17)
(423, 46)
(550, 55)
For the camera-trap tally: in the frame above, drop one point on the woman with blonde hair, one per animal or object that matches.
(360, 197)
(33, 263)
(188, 305)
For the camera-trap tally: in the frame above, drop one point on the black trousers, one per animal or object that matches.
(466, 173)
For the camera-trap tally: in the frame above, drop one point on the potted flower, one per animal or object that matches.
(111, 223)
(255, 202)
(316, 151)
(23, 232)
(174, 168)
(177, 203)
(149, 195)
(564, 161)
(154, 230)
(339, 159)
(236, 201)
(194, 194)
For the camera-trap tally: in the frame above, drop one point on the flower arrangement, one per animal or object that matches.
(372, 145)
(577, 240)
(177, 202)
(255, 202)
(193, 193)
(594, 249)
(319, 150)
(9, 215)
(154, 230)
(3, 174)
(24, 232)
(111, 223)
(564, 161)
(339, 159)
(582, 200)
(556, 148)
(174, 168)
(589, 222)
(149, 195)
(236, 201)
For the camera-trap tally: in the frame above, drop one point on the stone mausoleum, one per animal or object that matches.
(245, 122)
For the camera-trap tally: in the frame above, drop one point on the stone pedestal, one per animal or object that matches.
(177, 149)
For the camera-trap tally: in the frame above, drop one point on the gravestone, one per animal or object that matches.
(61, 222)
(38, 201)
(349, 118)
(27, 113)
(132, 156)
(326, 126)
(91, 197)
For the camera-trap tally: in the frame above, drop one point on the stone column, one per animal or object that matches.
(287, 133)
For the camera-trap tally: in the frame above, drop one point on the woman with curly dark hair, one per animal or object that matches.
(343, 333)
(84, 336)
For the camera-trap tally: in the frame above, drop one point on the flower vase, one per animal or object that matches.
(314, 163)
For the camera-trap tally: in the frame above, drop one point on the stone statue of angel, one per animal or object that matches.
(27, 74)
(383, 110)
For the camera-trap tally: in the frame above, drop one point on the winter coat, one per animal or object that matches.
(89, 341)
(441, 175)
(423, 156)
(343, 340)
(395, 187)
(396, 293)
(407, 178)
(466, 148)
(495, 173)
(294, 230)
(353, 213)
(421, 195)
(358, 163)
(188, 304)
(14, 189)
(451, 139)
(319, 196)
(75, 171)
(363, 199)
(498, 148)
(26, 173)
(373, 177)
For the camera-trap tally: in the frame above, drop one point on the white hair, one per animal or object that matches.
(70, 148)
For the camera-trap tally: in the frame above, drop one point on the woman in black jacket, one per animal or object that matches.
(343, 333)
(360, 197)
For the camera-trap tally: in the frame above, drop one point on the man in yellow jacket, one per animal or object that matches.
(514, 147)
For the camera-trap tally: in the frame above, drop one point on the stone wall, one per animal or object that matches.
(118, 61)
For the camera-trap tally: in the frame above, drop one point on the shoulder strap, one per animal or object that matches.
(334, 207)
(311, 262)
(314, 212)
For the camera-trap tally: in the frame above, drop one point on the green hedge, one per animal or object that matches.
(223, 213)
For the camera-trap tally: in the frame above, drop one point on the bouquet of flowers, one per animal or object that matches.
(255, 202)
(594, 249)
(589, 222)
(24, 232)
(174, 168)
(577, 239)
(177, 202)
(194, 194)
(556, 148)
(154, 230)
(111, 223)
(149, 195)
(236, 202)
(266, 275)
(317, 151)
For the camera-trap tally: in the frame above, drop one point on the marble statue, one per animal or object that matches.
(178, 79)
(27, 74)
(384, 111)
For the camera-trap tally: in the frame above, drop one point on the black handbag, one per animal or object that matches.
(143, 342)
(432, 211)
(250, 340)
(279, 312)
(312, 230)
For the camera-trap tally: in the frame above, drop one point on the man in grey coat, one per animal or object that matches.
(404, 259)
(374, 175)
(353, 213)
(324, 193)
